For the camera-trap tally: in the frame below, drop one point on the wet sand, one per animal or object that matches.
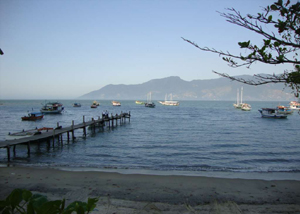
(137, 193)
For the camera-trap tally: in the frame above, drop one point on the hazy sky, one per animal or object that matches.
(62, 49)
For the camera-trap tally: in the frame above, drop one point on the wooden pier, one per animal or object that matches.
(57, 133)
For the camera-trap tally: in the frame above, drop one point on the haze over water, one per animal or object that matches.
(197, 136)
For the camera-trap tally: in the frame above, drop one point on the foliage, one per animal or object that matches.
(24, 202)
(278, 47)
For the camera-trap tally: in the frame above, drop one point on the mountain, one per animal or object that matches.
(213, 89)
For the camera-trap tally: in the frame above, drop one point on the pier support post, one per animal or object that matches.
(68, 136)
(14, 150)
(8, 153)
(53, 141)
(28, 149)
(73, 137)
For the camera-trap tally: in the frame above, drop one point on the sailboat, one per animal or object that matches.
(241, 105)
(149, 103)
(169, 102)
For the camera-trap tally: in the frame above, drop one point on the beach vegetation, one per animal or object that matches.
(279, 27)
(23, 201)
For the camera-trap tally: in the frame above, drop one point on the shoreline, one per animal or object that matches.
(174, 192)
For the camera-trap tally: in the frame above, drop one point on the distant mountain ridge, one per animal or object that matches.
(212, 89)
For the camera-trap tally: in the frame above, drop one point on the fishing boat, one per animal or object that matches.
(170, 102)
(139, 102)
(96, 103)
(149, 102)
(116, 103)
(94, 106)
(284, 110)
(33, 116)
(52, 108)
(246, 107)
(295, 105)
(76, 105)
(271, 113)
(28, 133)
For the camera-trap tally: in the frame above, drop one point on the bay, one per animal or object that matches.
(196, 136)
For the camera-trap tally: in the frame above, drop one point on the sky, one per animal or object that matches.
(62, 49)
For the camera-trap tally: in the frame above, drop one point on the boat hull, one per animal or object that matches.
(32, 118)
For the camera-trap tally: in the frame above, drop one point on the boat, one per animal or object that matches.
(149, 103)
(94, 106)
(52, 108)
(96, 103)
(33, 116)
(271, 113)
(28, 133)
(116, 103)
(284, 110)
(295, 105)
(139, 102)
(169, 102)
(239, 103)
(246, 107)
(76, 105)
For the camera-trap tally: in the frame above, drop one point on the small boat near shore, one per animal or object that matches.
(149, 102)
(95, 103)
(94, 106)
(271, 113)
(294, 105)
(284, 110)
(33, 116)
(115, 103)
(246, 107)
(52, 108)
(170, 102)
(76, 105)
(27, 133)
(139, 102)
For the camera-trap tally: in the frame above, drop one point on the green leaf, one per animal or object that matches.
(270, 18)
(50, 207)
(15, 198)
(244, 44)
(91, 204)
(274, 7)
(26, 195)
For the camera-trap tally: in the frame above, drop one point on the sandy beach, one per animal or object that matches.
(137, 193)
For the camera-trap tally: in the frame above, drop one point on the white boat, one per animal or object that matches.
(284, 110)
(246, 107)
(170, 102)
(149, 102)
(116, 103)
(295, 105)
(52, 108)
(239, 103)
(271, 113)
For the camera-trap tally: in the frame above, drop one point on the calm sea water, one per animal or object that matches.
(197, 136)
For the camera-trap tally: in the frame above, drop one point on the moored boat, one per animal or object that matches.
(76, 105)
(284, 110)
(246, 107)
(170, 102)
(116, 103)
(33, 116)
(271, 113)
(28, 133)
(139, 102)
(149, 103)
(96, 103)
(52, 108)
(93, 106)
(295, 105)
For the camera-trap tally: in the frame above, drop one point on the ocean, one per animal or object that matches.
(196, 137)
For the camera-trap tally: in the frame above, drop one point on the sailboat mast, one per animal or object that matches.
(242, 95)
